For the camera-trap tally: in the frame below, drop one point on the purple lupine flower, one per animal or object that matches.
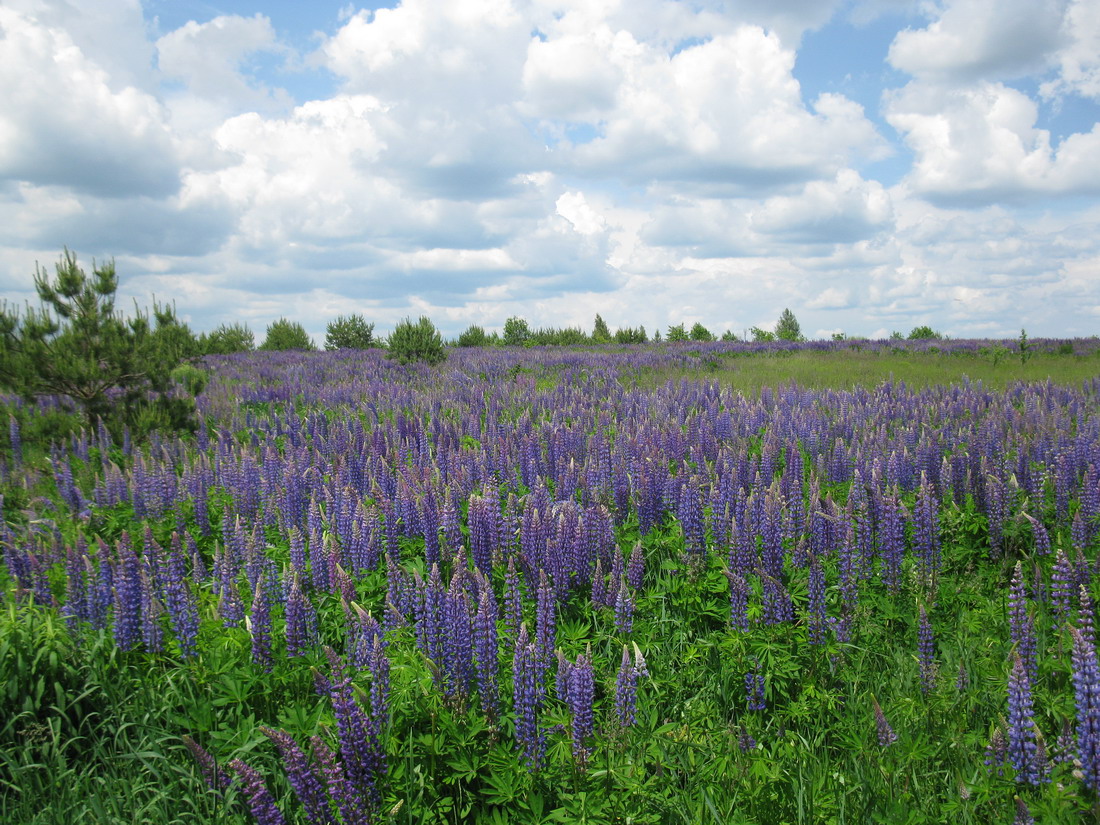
(1021, 625)
(211, 773)
(1021, 724)
(926, 529)
(754, 687)
(891, 542)
(739, 601)
(1023, 814)
(528, 699)
(260, 802)
(180, 601)
(340, 790)
(635, 570)
(926, 652)
(458, 648)
(485, 654)
(962, 679)
(259, 626)
(1065, 746)
(1086, 687)
(1040, 536)
(745, 740)
(513, 600)
(301, 621)
(996, 751)
(1086, 614)
(579, 695)
(624, 607)
(626, 686)
(304, 778)
(545, 620)
(1061, 588)
(886, 734)
(152, 634)
(359, 735)
(126, 581)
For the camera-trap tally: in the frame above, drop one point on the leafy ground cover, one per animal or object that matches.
(555, 586)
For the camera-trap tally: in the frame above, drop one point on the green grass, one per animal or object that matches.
(850, 369)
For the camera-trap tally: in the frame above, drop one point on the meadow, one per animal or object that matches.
(694, 583)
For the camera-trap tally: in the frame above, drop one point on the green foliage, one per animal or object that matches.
(924, 333)
(787, 327)
(474, 336)
(349, 332)
(411, 342)
(631, 335)
(1024, 346)
(226, 339)
(287, 335)
(600, 333)
(677, 334)
(730, 335)
(516, 332)
(116, 369)
(555, 337)
(762, 335)
(700, 333)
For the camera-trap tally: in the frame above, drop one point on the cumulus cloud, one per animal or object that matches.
(207, 57)
(63, 122)
(983, 39)
(981, 143)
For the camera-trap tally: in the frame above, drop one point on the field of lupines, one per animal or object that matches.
(538, 586)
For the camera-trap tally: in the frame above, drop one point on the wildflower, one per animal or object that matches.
(886, 735)
(1021, 724)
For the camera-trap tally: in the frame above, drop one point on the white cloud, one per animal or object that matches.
(62, 120)
(1079, 60)
(982, 39)
(727, 113)
(981, 144)
(843, 210)
(208, 58)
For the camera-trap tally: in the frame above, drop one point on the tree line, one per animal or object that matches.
(137, 373)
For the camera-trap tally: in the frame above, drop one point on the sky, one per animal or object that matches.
(872, 165)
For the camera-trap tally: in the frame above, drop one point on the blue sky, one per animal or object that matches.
(873, 165)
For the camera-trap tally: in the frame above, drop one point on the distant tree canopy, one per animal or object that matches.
(118, 370)
(411, 342)
(287, 335)
(350, 332)
(700, 333)
(631, 335)
(475, 336)
(924, 332)
(226, 339)
(600, 333)
(677, 333)
(762, 335)
(787, 327)
(516, 332)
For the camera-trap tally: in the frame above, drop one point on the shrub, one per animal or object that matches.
(116, 369)
(677, 333)
(474, 336)
(924, 333)
(730, 335)
(700, 333)
(630, 335)
(516, 332)
(762, 335)
(226, 339)
(410, 342)
(287, 335)
(349, 332)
